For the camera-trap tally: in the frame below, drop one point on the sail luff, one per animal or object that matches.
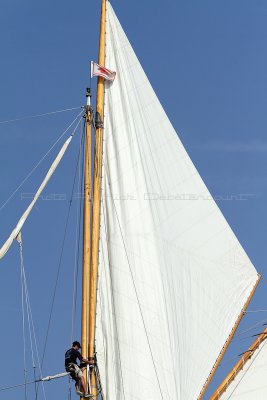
(86, 236)
(228, 341)
(97, 194)
(239, 366)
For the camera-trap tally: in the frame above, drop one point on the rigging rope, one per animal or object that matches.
(69, 391)
(46, 379)
(26, 301)
(77, 245)
(32, 333)
(27, 308)
(243, 338)
(78, 232)
(23, 315)
(39, 115)
(60, 258)
(262, 322)
(39, 162)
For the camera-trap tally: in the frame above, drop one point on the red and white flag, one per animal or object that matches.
(98, 70)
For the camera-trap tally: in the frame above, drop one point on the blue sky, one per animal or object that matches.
(207, 62)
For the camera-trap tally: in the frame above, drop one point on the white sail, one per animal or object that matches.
(173, 278)
(250, 383)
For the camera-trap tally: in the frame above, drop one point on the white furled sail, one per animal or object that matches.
(173, 277)
(250, 383)
(18, 227)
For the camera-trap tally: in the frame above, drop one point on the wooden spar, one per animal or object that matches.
(228, 341)
(86, 235)
(239, 366)
(97, 194)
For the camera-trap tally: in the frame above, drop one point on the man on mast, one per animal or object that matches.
(71, 366)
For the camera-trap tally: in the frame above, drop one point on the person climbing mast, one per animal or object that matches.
(75, 371)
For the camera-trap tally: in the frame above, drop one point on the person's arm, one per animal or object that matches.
(90, 360)
(82, 360)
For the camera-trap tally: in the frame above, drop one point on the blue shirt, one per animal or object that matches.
(71, 356)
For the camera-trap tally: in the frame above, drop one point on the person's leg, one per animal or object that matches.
(77, 385)
(83, 385)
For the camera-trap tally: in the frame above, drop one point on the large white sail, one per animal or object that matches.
(250, 383)
(173, 278)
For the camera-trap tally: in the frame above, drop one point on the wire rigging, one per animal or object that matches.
(77, 232)
(77, 244)
(250, 328)
(28, 311)
(61, 254)
(27, 306)
(60, 258)
(46, 379)
(23, 319)
(39, 162)
(32, 336)
(39, 115)
(225, 361)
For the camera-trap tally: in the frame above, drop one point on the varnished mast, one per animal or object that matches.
(97, 195)
(239, 366)
(86, 230)
(228, 341)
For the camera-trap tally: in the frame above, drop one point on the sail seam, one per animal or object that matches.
(113, 302)
(135, 289)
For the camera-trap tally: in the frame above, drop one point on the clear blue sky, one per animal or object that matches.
(207, 61)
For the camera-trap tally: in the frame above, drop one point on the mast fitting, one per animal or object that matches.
(98, 122)
(88, 108)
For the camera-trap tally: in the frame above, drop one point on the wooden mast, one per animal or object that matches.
(228, 341)
(97, 195)
(239, 366)
(86, 230)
